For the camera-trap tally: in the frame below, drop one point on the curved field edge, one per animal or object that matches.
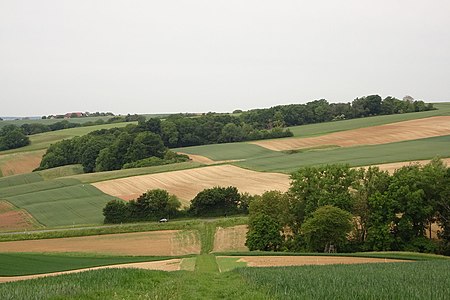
(18, 264)
(443, 109)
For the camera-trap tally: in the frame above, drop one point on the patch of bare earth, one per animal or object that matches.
(383, 134)
(20, 163)
(152, 243)
(205, 160)
(230, 239)
(186, 184)
(163, 265)
(391, 167)
(283, 261)
(13, 219)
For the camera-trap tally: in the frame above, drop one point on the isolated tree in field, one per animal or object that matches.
(327, 228)
(217, 201)
(115, 211)
(264, 233)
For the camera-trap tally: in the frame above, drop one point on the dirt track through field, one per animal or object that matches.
(20, 163)
(383, 134)
(162, 265)
(186, 184)
(230, 239)
(151, 243)
(283, 261)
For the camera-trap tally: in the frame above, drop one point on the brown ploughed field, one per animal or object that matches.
(186, 184)
(383, 134)
(152, 243)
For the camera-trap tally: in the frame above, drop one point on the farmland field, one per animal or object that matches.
(61, 202)
(187, 183)
(15, 264)
(20, 163)
(151, 243)
(383, 134)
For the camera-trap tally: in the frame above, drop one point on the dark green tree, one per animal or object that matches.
(264, 233)
(327, 228)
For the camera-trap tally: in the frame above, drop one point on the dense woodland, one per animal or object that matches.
(12, 137)
(336, 208)
(127, 147)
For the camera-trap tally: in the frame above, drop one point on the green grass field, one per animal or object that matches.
(59, 172)
(61, 202)
(19, 180)
(260, 159)
(17, 264)
(415, 280)
(354, 156)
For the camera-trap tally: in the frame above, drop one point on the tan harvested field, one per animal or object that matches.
(12, 219)
(391, 167)
(20, 163)
(163, 265)
(152, 243)
(283, 261)
(383, 134)
(230, 239)
(186, 184)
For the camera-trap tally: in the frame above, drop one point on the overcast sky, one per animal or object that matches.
(177, 56)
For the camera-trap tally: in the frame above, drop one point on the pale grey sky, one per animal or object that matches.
(142, 56)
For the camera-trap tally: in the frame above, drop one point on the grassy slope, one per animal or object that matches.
(418, 280)
(63, 171)
(19, 179)
(16, 264)
(355, 156)
(59, 202)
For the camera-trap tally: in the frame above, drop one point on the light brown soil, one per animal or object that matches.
(391, 167)
(152, 243)
(186, 184)
(20, 163)
(230, 239)
(12, 219)
(389, 133)
(163, 265)
(282, 261)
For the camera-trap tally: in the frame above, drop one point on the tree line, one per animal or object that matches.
(335, 207)
(321, 111)
(147, 143)
(156, 204)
